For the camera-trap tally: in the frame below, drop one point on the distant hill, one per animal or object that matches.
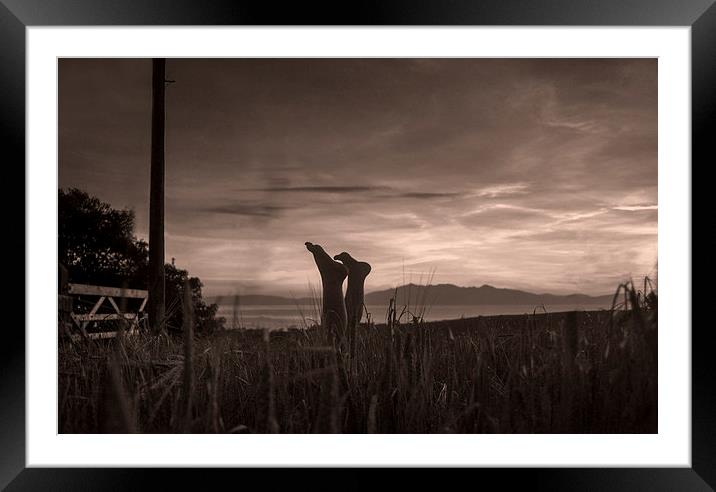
(441, 294)
(448, 295)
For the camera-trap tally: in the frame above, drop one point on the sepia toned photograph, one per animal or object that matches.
(357, 245)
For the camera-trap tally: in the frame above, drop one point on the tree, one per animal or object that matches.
(204, 314)
(96, 243)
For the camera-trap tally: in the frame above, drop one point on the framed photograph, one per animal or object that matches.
(421, 237)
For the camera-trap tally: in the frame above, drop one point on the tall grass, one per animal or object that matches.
(310, 315)
(588, 372)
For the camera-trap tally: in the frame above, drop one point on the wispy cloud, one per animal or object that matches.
(636, 208)
(248, 209)
(422, 195)
(502, 190)
(320, 189)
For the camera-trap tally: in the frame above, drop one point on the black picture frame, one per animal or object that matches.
(16, 15)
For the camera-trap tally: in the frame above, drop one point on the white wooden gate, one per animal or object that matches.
(107, 294)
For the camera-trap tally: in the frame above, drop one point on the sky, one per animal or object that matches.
(536, 174)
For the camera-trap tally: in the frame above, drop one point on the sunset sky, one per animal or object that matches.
(538, 174)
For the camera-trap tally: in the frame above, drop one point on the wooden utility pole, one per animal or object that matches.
(156, 201)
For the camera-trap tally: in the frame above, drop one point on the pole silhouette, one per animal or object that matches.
(156, 200)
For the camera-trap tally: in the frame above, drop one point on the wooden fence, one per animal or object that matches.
(105, 296)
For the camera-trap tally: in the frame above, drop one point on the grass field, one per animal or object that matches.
(586, 372)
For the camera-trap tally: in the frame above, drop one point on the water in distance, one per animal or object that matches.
(298, 316)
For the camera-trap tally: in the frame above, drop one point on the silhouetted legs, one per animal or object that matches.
(357, 272)
(333, 274)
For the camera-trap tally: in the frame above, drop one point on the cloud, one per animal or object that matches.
(636, 208)
(248, 209)
(384, 191)
(320, 189)
(502, 190)
(422, 195)
(503, 216)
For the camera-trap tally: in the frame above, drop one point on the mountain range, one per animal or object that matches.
(440, 294)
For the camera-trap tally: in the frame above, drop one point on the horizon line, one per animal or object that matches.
(411, 284)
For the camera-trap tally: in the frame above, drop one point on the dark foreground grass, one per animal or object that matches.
(587, 372)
